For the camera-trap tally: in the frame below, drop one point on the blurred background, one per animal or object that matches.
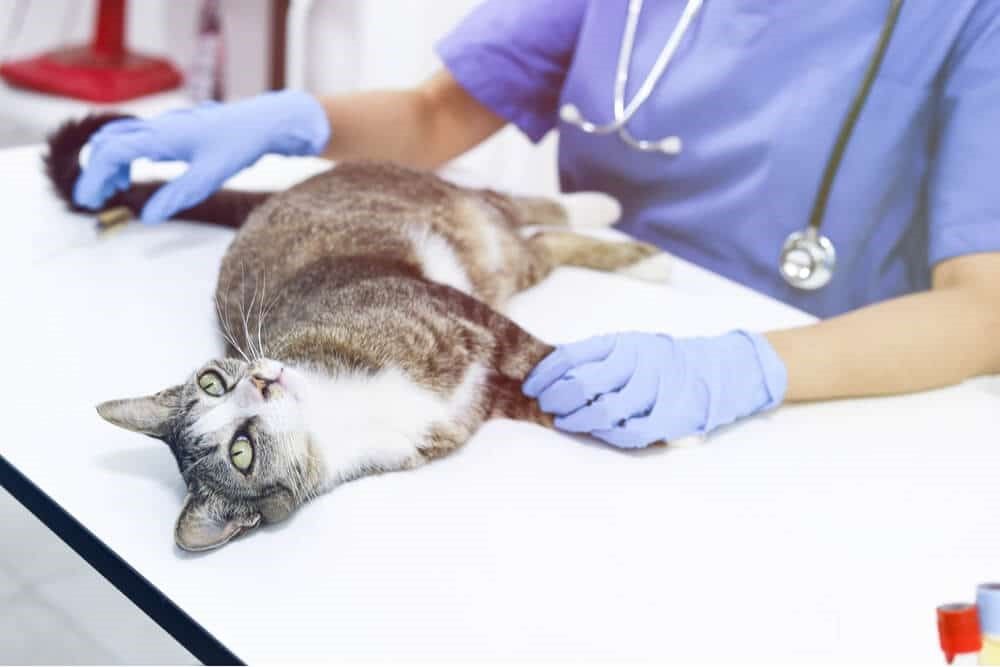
(344, 45)
(54, 608)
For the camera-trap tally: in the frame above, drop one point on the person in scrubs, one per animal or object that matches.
(756, 92)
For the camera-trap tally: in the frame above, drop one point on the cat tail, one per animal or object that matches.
(515, 358)
(62, 164)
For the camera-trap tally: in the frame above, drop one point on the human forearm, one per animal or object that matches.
(420, 127)
(920, 341)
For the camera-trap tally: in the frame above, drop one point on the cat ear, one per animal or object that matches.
(147, 414)
(200, 529)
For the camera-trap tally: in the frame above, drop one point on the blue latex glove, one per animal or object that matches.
(216, 140)
(633, 389)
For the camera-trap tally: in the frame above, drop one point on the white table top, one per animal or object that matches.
(823, 532)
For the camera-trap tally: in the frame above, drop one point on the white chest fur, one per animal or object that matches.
(360, 421)
(438, 259)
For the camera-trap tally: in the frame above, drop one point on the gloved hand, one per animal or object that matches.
(632, 389)
(217, 140)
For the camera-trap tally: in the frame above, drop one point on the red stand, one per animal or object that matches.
(104, 71)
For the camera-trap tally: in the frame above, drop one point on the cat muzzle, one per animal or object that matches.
(264, 384)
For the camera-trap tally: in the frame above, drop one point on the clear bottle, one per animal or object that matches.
(205, 73)
(988, 602)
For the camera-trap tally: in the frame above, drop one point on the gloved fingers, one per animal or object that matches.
(645, 430)
(564, 396)
(563, 359)
(202, 178)
(582, 387)
(108, 159)
(118, 182)
(615, 408)
(123, 179)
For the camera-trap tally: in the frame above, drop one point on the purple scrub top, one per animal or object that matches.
(757, 92)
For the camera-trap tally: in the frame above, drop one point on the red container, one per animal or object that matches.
(958, 629)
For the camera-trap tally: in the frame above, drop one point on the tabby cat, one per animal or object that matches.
(362, 337)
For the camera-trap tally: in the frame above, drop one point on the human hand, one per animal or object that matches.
(216, 140)
(632, 389)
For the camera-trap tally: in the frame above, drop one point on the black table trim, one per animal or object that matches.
(174, 620)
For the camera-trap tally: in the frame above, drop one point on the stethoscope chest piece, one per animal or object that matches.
(807, 259)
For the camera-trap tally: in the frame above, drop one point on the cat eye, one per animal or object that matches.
(211, 383)
(241, 453)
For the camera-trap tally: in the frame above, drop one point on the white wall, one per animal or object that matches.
(389, 43)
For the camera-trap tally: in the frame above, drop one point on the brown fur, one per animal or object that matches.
(364, 268)
(350, 293)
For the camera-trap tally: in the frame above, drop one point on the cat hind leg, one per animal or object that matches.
(581, 210)
(630, 258)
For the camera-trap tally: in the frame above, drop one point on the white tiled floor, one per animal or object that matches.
(56, 609)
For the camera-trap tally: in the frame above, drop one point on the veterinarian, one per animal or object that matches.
(719, 155)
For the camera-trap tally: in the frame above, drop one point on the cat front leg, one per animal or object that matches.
(442, 439)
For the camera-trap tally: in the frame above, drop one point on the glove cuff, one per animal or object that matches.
(773, 370)
(304, 128)
(746, 377)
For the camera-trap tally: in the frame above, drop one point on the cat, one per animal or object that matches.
(360, 312)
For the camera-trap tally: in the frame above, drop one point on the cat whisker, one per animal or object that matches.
(225, 330)
(223, 327)
(229, 340)
(243, 315)
(232, 336)
(260, 313)
(233, 333)
(299, 482)
(249, 318)
(270, 307)
(260, 349)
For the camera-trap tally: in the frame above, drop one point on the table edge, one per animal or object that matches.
(164, 612)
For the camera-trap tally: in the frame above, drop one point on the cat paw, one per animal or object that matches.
(653, 269)
(590, 210)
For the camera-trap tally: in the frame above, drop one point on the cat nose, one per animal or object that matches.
(262, 383)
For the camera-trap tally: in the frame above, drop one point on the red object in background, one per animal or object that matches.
(103, 71)
(958, 629)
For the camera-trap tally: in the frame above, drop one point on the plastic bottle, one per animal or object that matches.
(988, 602)
(205, 74)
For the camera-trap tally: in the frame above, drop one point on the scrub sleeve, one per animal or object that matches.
(964, 187)
(512, 56)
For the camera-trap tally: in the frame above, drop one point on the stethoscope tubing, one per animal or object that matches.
(851, 118)
(807, 258)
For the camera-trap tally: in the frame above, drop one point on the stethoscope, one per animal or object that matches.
(807, 257)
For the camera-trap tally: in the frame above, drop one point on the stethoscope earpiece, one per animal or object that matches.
(671, 145)
(569, 113)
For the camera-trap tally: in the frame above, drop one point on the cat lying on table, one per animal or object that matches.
(362, 337)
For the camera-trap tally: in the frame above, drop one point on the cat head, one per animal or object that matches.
(237, 432)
